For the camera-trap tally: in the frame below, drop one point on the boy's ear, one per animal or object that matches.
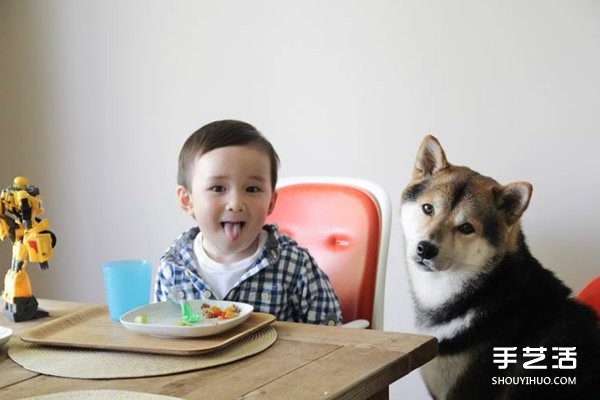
(272, 203)
(185, 199)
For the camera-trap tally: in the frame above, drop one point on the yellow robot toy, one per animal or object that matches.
(20, 205)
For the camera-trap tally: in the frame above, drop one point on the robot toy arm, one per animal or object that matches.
(20, 207)
(40, 242)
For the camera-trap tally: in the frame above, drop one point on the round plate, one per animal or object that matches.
(5, 334)
(164, 319)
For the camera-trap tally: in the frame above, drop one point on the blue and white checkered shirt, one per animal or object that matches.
(284, 280)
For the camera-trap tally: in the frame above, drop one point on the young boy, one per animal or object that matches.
(226, 182)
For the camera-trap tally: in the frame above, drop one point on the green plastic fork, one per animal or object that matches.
(187, 314)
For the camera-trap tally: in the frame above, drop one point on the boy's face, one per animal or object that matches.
(230, 198)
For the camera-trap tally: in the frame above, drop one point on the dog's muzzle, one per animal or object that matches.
(425, 252)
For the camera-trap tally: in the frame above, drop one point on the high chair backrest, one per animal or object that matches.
(345, 225)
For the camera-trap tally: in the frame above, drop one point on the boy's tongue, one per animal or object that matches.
(232, 229)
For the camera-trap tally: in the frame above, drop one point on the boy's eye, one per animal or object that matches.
(217, 189)
(427, 209)
(253, 189)
(466, 229)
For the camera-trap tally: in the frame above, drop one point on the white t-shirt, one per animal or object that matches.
(222, 277)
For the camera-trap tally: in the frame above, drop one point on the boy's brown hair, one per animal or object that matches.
(219, 134)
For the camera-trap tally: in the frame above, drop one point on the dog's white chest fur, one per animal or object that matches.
(434, 289)
(450, 329)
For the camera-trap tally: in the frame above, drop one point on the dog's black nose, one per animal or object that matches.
(426, 250)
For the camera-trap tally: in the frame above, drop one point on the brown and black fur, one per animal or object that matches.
(476, 286)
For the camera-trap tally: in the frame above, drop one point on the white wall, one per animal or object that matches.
(96, 98)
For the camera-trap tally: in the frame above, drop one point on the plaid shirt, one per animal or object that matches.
(284, 280)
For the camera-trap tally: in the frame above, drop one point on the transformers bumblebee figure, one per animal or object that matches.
(20, 205)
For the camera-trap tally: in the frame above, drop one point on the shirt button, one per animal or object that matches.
(206, 294)
(265, 296)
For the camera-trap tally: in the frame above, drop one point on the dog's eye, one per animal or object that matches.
(427, 209)
(466, 229)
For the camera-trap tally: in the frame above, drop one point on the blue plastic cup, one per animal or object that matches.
(126, 285)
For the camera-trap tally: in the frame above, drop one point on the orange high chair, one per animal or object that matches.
(590, 294)
(345, 225)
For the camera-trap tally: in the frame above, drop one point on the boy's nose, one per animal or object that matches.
(235, 208)
(235, 204)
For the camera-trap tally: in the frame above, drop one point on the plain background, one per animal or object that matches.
(97, 97)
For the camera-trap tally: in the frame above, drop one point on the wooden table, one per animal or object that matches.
(306, 362)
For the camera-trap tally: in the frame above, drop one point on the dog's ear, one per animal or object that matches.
(430, 158)
(513, 199)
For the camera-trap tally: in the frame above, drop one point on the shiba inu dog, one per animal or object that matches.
(507, 327)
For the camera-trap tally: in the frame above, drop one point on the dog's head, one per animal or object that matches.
(453, 218)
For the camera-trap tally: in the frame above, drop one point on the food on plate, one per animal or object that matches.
(209, 311)
(141, 319)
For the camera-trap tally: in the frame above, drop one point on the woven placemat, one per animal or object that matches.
(92, 364)
(101, 395)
